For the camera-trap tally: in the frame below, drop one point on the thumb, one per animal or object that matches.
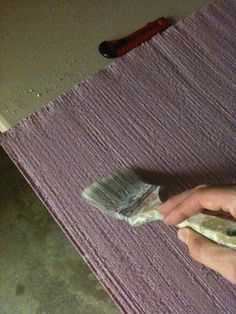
(210, 254)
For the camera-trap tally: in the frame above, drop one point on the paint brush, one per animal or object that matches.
(124, 196)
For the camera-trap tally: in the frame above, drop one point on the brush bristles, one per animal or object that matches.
(120, 192)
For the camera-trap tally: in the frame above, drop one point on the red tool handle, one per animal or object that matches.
(116, 48)
(157, 25)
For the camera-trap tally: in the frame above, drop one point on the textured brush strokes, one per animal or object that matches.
(168, 107)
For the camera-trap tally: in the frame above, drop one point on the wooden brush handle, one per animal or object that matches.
(219, 230)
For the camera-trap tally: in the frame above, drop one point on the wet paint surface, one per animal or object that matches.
(167, 107)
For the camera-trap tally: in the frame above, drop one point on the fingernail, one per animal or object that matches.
(183, 235)
(167, 220)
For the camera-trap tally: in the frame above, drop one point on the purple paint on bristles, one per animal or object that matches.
(167, 107)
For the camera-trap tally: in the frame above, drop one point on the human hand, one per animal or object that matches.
(188, 203)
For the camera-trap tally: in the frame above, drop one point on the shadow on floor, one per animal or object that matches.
(40, 271)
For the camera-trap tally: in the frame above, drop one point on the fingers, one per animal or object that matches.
(206, 252)
(173, 201)
(203, 197)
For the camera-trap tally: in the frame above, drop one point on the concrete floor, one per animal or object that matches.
(40, 271)
(47, 47)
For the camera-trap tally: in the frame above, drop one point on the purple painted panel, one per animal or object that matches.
(167, 107)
